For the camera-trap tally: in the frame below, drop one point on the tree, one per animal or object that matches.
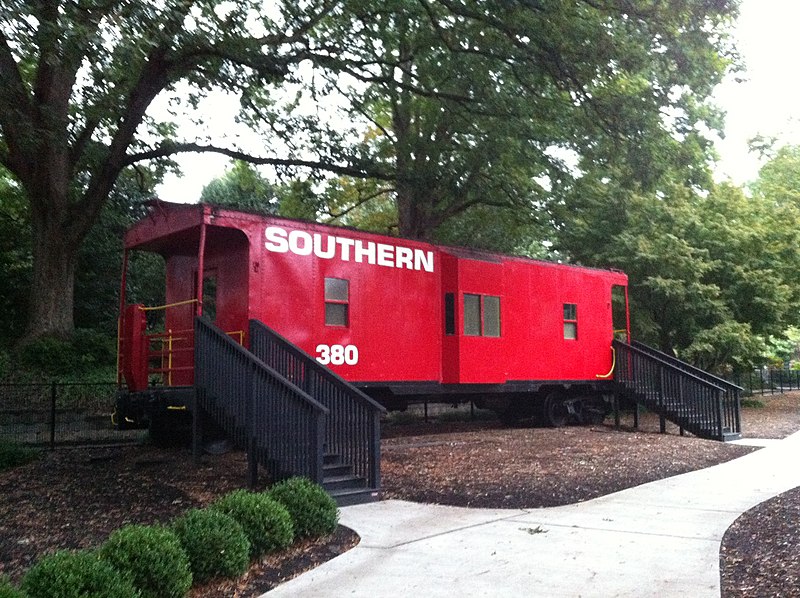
(469, 98)
(77, 81)
(474, 103)
(241, 186)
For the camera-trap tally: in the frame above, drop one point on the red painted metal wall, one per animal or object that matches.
(274, 270)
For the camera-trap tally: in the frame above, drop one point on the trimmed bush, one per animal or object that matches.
(14, 455)
(8, 590)
(215, 542)
(314, 513)
(82, 574)
(265, 521)
(152, 556)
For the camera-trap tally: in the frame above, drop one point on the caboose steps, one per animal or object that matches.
(694, 400)
(294, 416)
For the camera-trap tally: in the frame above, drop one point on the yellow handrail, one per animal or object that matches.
(613, 365)
(168, 305)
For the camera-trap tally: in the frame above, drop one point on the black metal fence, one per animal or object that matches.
(60, 414)
(767, 380)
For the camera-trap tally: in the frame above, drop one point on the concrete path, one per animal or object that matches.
(659, 539)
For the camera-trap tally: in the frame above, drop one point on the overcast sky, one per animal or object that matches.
(766, 102)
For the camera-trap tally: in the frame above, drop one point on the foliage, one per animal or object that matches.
(84, 351)
(750, 403)
(76, 87)
(215, 543)
(314, 513)
(241, 187)
(7, 590)
(710, 272)
(152, 557)
(15, 258)
(14, 455)
(76, 575)
(266, 522)
(456, 105)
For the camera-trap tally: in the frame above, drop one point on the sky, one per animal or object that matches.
(765, 100)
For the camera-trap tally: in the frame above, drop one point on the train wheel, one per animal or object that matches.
(556, 412)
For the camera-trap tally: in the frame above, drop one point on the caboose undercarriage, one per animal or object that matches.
(548, 403)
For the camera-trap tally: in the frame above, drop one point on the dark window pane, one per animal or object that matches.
(336, 314)
(472, 315)
(491, 316)
(337, 289)
(570, 311)
(570, 331)
(449, 313)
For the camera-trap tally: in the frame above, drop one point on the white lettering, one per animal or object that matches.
(276, 240)
(346, 245)
(337, 354)
(294, 242)
(423, 260)
(329, 252)
(368, 252)
(385, 255)
(404, 258)
(299, 242)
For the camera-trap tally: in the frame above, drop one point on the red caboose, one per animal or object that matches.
(400, 319)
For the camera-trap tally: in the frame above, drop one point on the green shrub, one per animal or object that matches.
(76, 575)
(13, 455)
(215, 542)
(314, 513)
(152, 556)
(94, 348)
(49, 355)
(265, 521)
(8, 590)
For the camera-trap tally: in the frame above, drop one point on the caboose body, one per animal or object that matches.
(402, 320)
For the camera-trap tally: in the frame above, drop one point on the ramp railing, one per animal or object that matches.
(352, 427)
(691, 398)
(281, 426)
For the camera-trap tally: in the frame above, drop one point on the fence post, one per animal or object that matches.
(53, 395)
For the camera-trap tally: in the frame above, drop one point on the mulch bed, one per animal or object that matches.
(75, 498)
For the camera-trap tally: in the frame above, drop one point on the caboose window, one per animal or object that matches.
(337, 302)
(481, 315)
(491, 316)
(472, 315)
(449, 313)
(570, 321)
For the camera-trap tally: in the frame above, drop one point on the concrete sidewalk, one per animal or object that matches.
(659, 539)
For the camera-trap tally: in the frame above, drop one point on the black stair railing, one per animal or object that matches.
(731, 401)
(352, 427)
(279, 424)
(695, 403)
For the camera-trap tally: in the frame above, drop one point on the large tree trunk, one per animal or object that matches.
(50, 311)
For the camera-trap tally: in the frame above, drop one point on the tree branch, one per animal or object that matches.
(170, 149)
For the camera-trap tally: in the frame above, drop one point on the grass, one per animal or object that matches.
(751, 403)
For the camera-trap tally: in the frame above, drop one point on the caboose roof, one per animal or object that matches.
(174, 229)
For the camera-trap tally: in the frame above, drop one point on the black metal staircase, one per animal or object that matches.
(294, 416)
(698, 402)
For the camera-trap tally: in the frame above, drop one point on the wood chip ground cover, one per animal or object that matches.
(75, 498)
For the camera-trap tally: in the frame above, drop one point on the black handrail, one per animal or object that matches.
(732, 399)
(352, 427)
(281, 426)
(695, 403)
